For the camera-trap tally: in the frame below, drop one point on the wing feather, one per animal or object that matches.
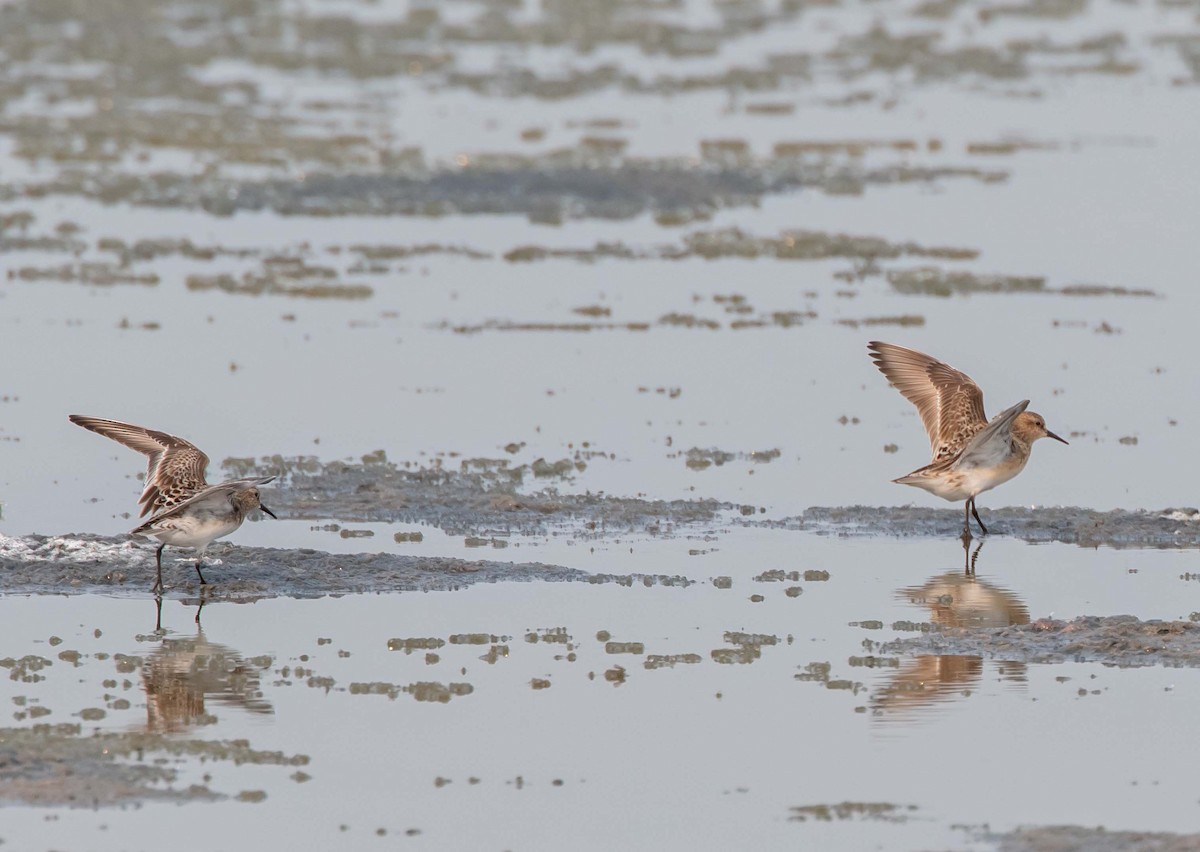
(175, 470)
(949, 401)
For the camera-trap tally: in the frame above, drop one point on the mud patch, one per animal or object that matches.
(736, 243)
(483, 498)
(88, 563)
(884, 811)
(552, 189)
(94, 273)
(1118, 640)
(932, 281)
(1055, 838)
(901, 320)
(64, 766)
(701, 459)
(1168, 528)
(286, 276)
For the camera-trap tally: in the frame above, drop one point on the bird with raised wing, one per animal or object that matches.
(970, 453)
(185, 511)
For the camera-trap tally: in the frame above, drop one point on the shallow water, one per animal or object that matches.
(550, 696)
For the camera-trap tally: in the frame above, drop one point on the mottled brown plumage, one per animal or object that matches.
(949, 402)
(176, 467)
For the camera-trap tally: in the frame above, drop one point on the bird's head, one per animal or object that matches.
(1029, 426)
(247, 500)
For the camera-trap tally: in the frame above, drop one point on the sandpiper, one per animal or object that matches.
(185, 511)
(970, 453)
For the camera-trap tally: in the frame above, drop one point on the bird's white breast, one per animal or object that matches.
(195, 529)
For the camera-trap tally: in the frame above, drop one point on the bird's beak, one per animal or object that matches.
(1050, 434)
(276, 517)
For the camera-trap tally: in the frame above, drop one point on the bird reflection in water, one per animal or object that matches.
(184, 676)
(961, 599)
(956, 599)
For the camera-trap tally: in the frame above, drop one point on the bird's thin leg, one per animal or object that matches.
(203, 582)
(966, 533)
(158, 586)
(975, 512)
(202, 602)
(975, 556)
(969, 558)
(158, 619)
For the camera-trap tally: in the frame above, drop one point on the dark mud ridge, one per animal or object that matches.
(482, 497)
(545, 192)
(39, 564)
(1164, 528)
(1116, 640)
(1061, 838)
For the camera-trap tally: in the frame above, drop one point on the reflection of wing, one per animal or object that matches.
(176, 467)
(181, 674)
(215, 497)
(949, 402)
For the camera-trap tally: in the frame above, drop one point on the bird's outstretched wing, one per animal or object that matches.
(949, 401)
(176, 468)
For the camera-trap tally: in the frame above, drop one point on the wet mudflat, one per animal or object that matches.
(774, 695)
(551, 318)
